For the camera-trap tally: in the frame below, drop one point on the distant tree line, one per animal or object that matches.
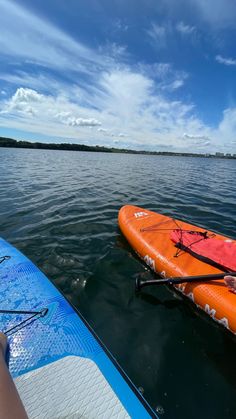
(9, 142)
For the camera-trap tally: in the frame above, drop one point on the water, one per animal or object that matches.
(60, 208)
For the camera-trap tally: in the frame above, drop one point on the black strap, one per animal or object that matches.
(3, 258)
(201, 235)
(204, 259)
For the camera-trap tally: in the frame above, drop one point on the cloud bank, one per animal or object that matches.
(56, 86)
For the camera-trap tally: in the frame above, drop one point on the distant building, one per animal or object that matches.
(228, 154)
(219, 154)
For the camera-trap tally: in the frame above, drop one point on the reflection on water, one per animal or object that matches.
(60, 209)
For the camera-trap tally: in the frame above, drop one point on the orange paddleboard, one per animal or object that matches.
(149, 234)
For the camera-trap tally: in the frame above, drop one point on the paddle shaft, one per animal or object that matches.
(179, 280)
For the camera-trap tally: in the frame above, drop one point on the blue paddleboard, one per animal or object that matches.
(59, 366)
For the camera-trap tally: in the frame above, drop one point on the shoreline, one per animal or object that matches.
(12, 143)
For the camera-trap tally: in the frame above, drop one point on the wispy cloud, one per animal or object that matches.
(196, 137)
(185, 29)
(166, 77)
(41, 43)
(158, 34)
(227, 127)
(120, 26)
(226, 61)
(163, 35)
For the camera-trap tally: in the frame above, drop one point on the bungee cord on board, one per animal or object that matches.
(25, 322)
(3, 258)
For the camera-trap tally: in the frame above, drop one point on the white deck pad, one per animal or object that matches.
(71, 387)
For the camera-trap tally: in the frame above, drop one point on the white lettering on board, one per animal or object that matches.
(224, 321)
(210, 311)
(150, 262)
(140, 214)
(191, 296)
(181, 287)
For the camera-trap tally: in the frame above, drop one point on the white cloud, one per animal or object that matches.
(23, 101)
(104, 130)
(81, 122)
(158, 34)
(163, 36)
(227, 127)
(176, 84)
(165, 75)
(196, 137)
(198, 141)
(184, 29)
(226, 61)
(225, 133)
(24, 95)
(68, 118)
(27, 103)
(120, 26)
(111, 49)
(109, 133)
(132, 104)
(123, 99)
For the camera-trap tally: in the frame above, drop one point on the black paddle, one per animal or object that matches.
(179, 280)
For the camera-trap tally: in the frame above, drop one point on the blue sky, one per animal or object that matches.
(141, 74)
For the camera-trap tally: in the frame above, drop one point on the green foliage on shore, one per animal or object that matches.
(9, 142)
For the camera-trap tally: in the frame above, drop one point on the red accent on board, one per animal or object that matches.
(220, 251)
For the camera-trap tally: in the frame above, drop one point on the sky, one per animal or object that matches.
(154, 75)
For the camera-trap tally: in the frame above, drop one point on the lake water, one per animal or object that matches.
(60, 209)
